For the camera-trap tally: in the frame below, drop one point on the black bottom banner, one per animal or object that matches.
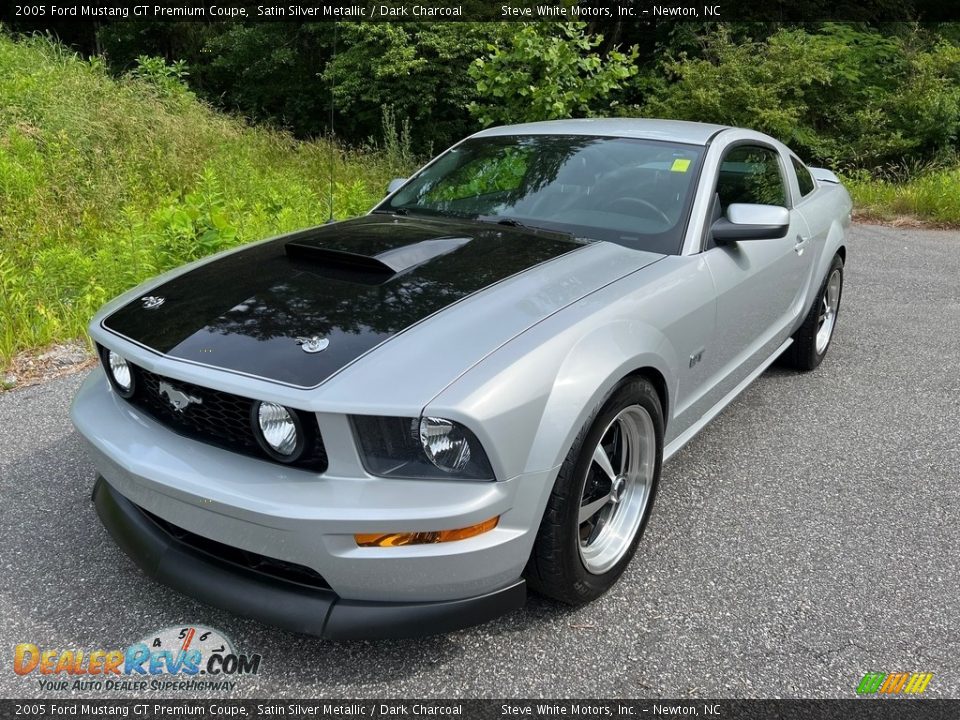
(853, 709)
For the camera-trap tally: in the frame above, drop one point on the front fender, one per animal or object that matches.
(527, 401)
(590, 371)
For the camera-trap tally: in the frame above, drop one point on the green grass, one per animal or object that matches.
(105, 182)
(932, 197)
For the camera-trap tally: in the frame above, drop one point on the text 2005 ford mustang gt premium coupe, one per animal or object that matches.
(392, 425)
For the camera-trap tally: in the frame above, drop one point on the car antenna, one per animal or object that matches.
(333, 135)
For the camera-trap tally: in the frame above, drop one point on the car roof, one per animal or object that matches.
(682, 131)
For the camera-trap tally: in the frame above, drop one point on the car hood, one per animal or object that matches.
(299, 309)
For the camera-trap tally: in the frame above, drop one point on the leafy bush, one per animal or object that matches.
(545, 72)
(167, 78)
(104, 182)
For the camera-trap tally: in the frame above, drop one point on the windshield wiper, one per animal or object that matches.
(513, 222)
(488, 219)
(424, 212)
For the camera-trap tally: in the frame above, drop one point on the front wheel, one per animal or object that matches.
(602, 498)
(811, 341)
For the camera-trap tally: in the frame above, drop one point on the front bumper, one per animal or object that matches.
(289, 605)
(299, 517)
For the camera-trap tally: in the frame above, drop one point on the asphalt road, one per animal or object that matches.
(810, 534)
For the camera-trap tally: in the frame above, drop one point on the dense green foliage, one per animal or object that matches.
(418, 70)
(548, 72)
(287, 72)
(844, 96)
(851, 95)
(104, 182)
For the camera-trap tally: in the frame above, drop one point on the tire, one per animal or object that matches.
(576, 562)
(811, 341)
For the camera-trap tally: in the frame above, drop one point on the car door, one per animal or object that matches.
(760, 283)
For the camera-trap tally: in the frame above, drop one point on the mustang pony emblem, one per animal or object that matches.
(313, 344)
(178, 399)
(151, 302)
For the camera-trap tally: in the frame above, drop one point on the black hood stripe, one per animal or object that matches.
(245, 312)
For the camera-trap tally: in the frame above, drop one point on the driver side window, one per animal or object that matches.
(751, 174)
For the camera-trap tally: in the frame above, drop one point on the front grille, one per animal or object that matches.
(220, 418)
(255, 562)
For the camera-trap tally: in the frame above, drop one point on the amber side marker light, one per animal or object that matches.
(424, 538)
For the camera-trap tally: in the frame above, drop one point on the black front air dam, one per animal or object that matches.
(288, 605)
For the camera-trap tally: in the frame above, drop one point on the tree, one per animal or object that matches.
(417, 69)
(544, 72)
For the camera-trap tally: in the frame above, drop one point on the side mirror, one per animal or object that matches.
(751, 222)
(395, 185)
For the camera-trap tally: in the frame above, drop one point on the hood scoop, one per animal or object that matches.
(389, 262)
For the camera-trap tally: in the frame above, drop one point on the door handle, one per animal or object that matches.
(801, 245)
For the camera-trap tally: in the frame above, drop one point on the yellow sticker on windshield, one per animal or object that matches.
(680, 165)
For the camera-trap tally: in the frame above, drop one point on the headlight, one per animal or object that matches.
(278, 431)
(445, 444)
(119, 371)
(428, 447)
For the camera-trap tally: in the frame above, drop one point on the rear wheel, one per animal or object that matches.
(812, 340)
(602, 498)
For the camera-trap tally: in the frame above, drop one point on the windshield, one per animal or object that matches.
(632, 192)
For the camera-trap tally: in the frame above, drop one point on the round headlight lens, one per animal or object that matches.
(278, 428)
(120, 370)
(445, 444)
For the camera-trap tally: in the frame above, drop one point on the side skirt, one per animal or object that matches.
(687, 435)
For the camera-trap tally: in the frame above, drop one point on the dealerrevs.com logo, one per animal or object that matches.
(176, 658)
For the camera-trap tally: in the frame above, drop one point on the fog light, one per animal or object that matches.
(120, 374)
(278, 431)
(424, 538)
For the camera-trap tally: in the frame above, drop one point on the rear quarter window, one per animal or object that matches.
(804, 178)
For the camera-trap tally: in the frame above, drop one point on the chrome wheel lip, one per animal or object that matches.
(611, 522)
(829, 305)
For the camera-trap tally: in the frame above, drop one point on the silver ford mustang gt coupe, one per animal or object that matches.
(393, 425)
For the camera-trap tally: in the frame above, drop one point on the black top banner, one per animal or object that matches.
(595, 11)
